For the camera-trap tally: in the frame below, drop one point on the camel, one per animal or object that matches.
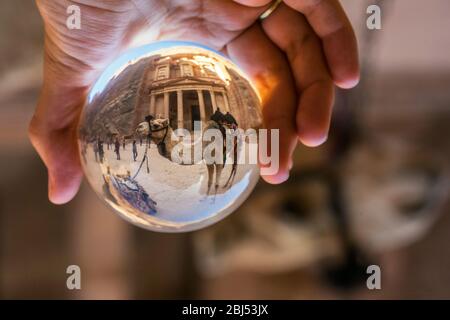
(160, 132)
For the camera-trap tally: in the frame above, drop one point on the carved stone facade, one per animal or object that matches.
(181, 87)
(185, 88)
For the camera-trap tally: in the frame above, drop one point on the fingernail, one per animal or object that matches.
(349, 83)
(314, 141)
(277, 178)
(284, 176)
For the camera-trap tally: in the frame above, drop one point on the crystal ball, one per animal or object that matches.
(168, 134)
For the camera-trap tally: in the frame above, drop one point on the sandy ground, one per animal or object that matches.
(179, 190)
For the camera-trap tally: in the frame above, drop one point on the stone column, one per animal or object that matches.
(166, 104)
(213, 100)
(201, 105)
(180, 108)
(225, 101)
(152, 104)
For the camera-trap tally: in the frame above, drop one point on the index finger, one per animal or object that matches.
(330, 23)
(267, 66)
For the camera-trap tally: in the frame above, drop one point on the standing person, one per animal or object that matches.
(95, 148)
(101, 152)
(135, 154)
(117, 148)
(123, 143)
(219, 118)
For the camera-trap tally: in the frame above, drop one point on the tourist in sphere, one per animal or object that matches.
(219, 118)
(95, 149)
(101, 152)
(117, 148)
(135, 154)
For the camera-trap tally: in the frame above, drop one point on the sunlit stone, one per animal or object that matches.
(150, 137)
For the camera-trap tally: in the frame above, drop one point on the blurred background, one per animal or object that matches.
(376, 193)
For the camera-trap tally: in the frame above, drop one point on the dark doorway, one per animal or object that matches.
(173, 110)
(190, 105)
(208, 104)
(195, 115)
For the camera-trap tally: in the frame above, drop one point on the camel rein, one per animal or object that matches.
(147, 147)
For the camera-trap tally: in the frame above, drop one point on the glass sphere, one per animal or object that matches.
(167, 136)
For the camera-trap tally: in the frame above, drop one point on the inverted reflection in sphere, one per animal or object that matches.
(166, 137)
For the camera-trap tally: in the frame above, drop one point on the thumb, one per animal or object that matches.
(53, 133)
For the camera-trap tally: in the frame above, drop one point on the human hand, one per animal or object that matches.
(294, 57)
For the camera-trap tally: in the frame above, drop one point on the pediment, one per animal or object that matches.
(186, 81)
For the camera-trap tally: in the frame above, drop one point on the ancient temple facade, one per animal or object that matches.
(190, 87)
(183, 88)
